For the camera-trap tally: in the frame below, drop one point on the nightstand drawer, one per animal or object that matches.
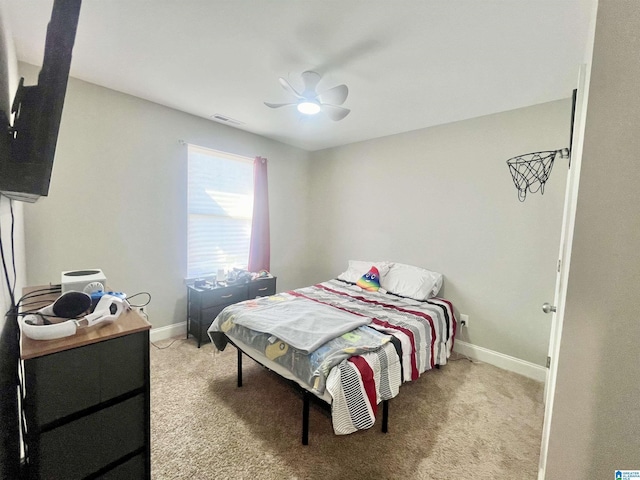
(198, 327)
(209, 315)
(219, 296)
(262, 288)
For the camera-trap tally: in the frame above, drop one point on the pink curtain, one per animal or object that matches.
(260, 247)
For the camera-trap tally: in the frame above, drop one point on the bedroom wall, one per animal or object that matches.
(117, 199)
(596, 413)
(442, 198)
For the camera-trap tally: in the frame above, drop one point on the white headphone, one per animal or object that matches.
(37, 327)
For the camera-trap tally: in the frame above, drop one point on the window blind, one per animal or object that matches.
(220, 207)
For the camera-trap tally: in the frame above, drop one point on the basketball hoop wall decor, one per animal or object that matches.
(531, 171)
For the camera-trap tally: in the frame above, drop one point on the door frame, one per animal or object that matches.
(564, 260)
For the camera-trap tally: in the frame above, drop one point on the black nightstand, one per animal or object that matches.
(204, 304)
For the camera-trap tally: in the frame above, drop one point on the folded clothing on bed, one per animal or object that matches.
(303, 324)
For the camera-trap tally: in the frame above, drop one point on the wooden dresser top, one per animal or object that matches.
(128, 322)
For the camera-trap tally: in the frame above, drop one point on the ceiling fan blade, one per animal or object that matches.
(287, 86)
(334, 96)
(334, 112)
(310, 80)
(277, 105)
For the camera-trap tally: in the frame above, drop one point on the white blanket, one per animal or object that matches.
(303, 324)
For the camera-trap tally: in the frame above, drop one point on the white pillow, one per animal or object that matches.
(413, 282)
(357, 268)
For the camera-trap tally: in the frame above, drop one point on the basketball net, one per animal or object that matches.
(531, 171)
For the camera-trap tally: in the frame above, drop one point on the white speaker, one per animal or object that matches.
(78, 279)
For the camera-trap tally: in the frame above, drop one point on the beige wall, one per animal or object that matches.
(440, 197)
(596, 417)
(443, 198)
(117, 199)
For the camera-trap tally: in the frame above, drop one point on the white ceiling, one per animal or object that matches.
(409, 64)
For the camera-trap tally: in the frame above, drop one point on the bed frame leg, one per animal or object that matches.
(305, 418)
(239, 367)
(385, 416)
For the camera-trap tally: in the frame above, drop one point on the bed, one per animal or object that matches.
(350, 341)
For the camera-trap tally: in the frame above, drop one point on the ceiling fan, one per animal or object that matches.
(310, 102)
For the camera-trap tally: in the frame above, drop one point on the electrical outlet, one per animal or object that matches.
(464, 320)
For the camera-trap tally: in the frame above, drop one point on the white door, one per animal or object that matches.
(566, 239)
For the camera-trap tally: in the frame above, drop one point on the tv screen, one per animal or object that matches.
(27, 152)
(26, 159)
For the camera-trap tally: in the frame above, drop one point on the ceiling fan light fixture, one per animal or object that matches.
(311, 102)
(308, 108)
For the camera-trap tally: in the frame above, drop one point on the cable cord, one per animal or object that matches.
(13, 246)
(4, 262)
(23, 418)
(39, 292)
(166, 346)
(146, 317)
(11, 317)
(129, 297)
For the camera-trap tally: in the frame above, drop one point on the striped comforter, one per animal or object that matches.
(363, 367)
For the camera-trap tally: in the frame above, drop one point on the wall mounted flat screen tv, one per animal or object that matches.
(26, 160)
(27, 149)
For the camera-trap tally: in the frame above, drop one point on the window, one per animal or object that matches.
(220, 206)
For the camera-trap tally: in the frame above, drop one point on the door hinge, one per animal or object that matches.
(559, 264)
(548, 362)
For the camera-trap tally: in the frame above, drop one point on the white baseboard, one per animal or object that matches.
(173, 330)
(500, 360)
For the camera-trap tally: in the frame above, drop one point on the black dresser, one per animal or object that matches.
(87, 403)
(204, 304)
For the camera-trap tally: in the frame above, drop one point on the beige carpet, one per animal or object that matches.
(466, 420)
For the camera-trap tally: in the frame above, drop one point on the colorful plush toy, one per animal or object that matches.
(370, 281)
